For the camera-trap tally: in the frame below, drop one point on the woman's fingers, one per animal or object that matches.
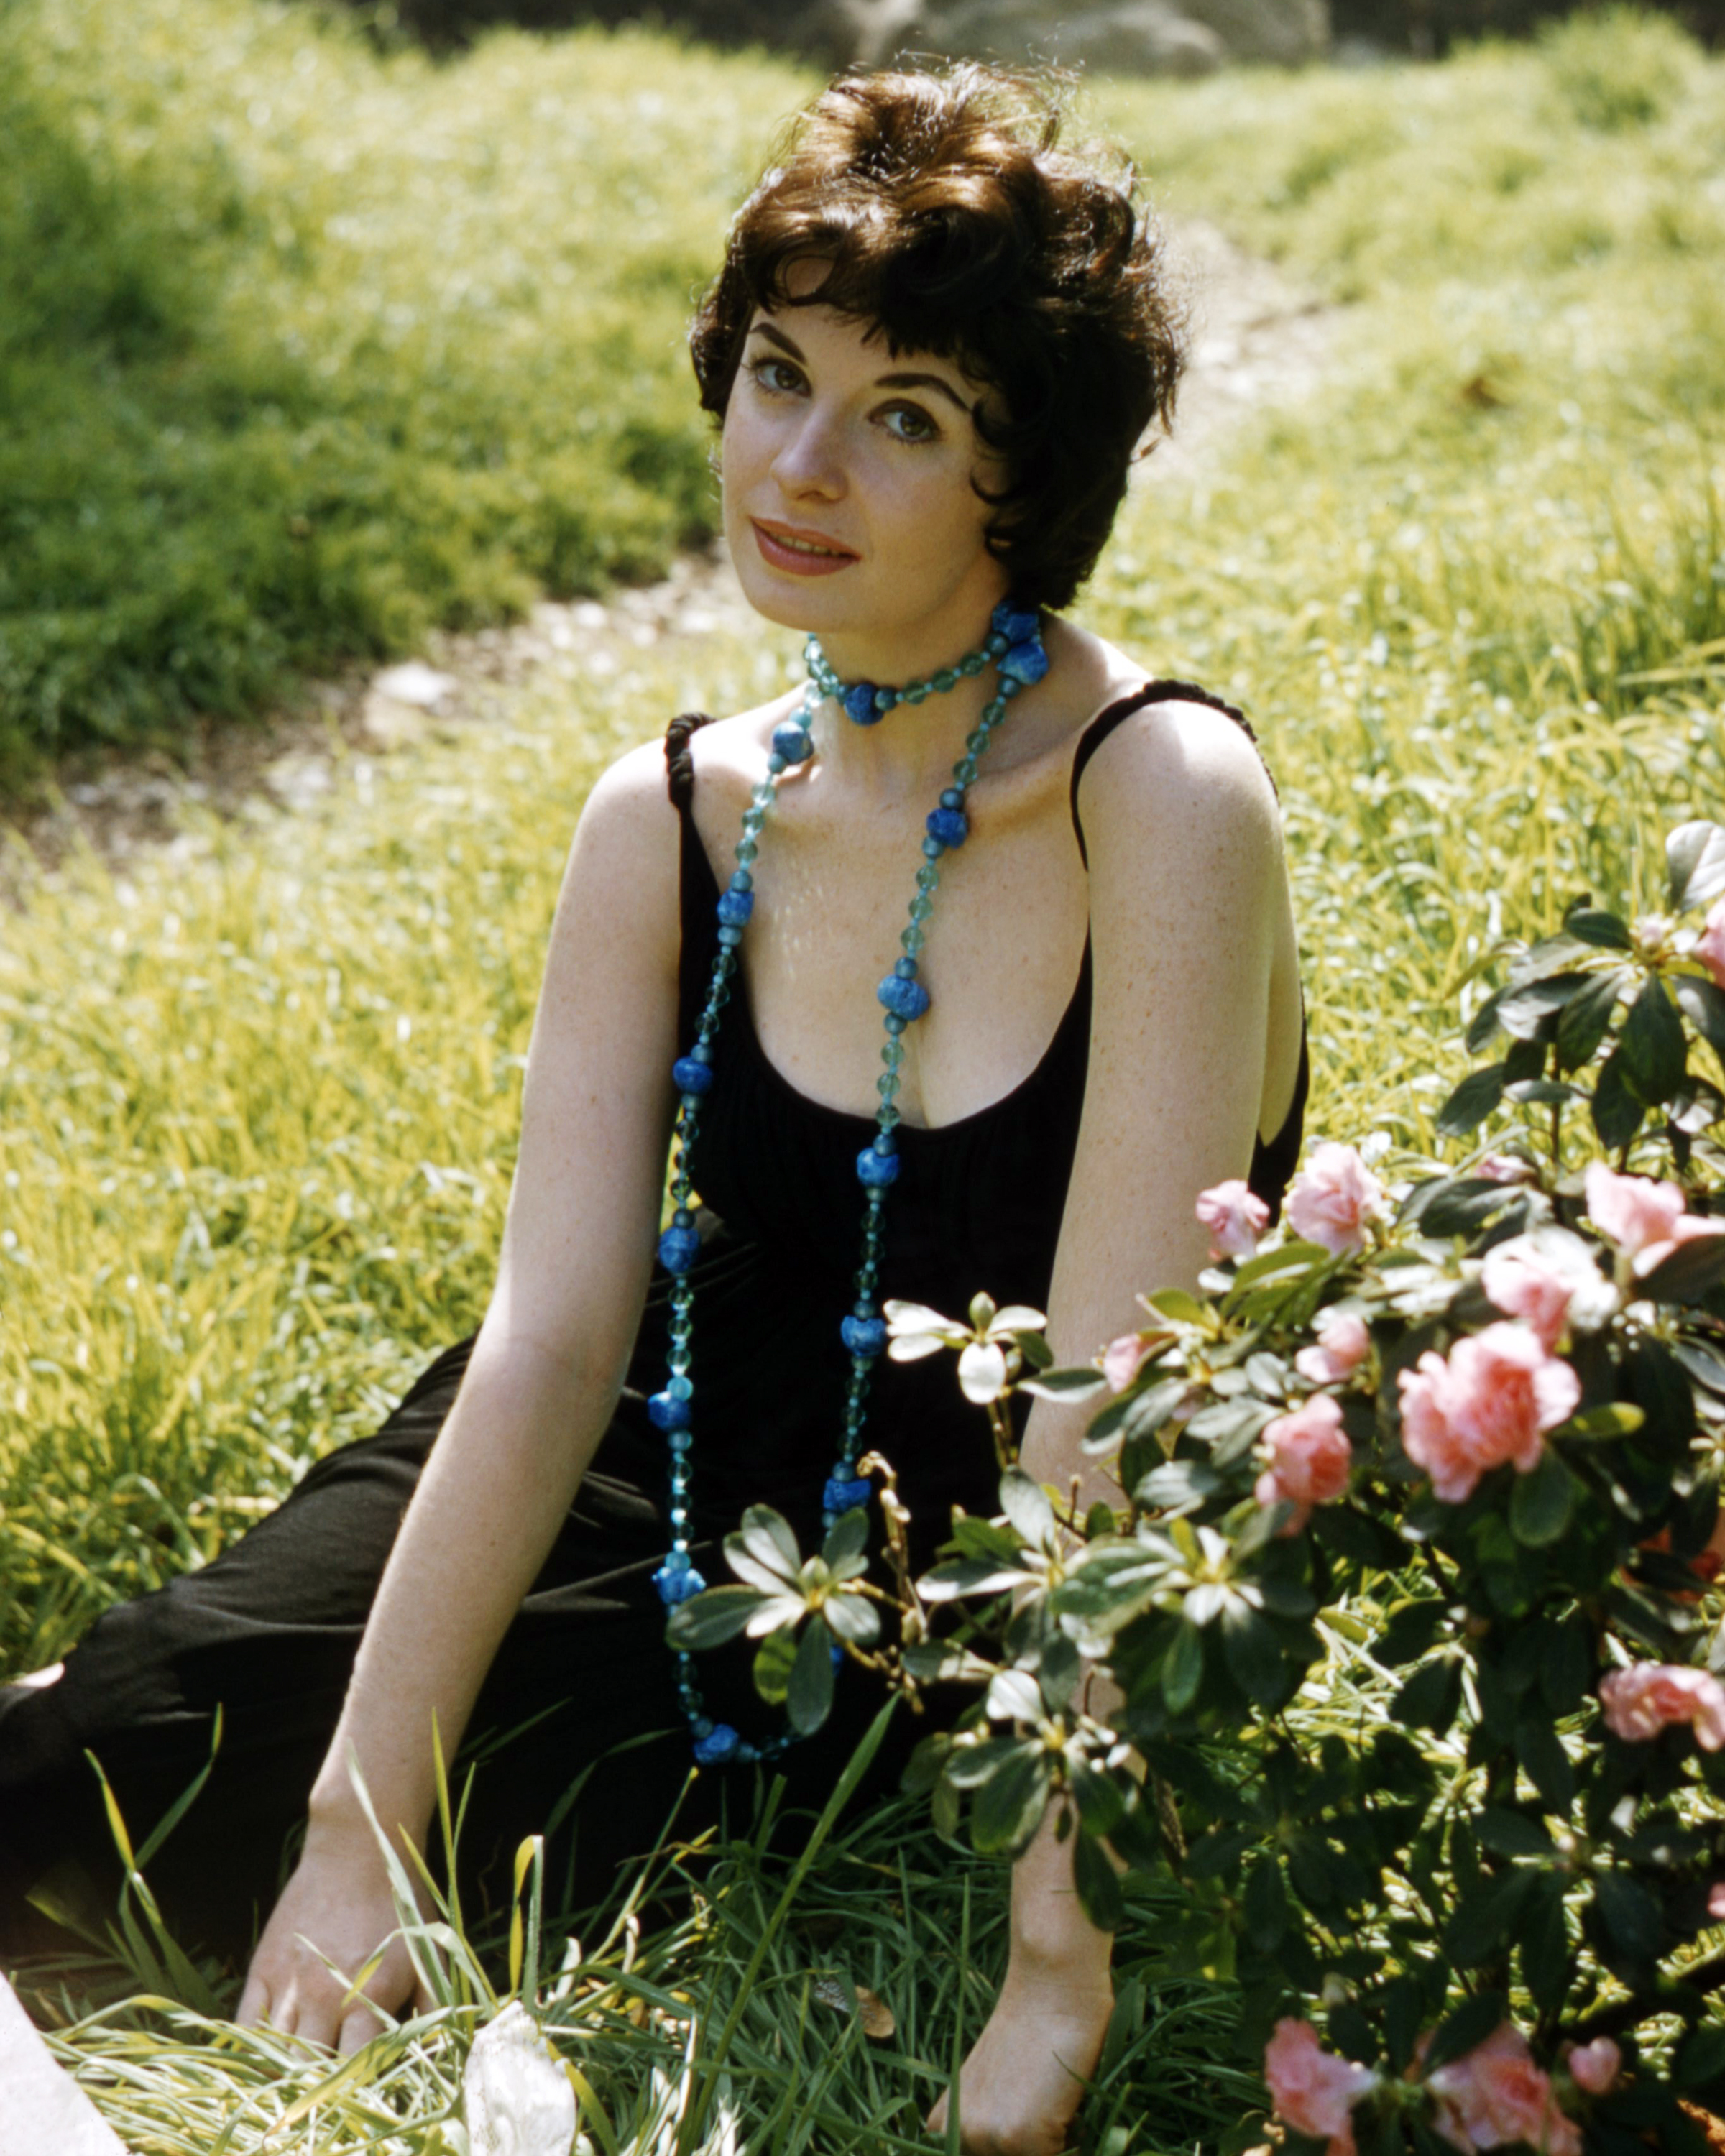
(359, 2024)
(253, 2007)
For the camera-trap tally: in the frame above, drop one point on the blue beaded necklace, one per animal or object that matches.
(1013, 646)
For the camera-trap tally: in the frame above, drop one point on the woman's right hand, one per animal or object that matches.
(337, 1908)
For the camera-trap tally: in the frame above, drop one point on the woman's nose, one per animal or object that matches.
(810, 459)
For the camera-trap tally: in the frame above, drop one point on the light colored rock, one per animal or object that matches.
(415, 682)
(42, 2111)
(519, 2101)
(1113, 37)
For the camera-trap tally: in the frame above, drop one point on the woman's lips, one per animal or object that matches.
(799, 554)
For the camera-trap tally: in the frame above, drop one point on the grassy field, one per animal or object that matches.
(258, 1101)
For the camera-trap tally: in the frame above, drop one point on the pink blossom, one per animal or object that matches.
(1716, 1901)
(1310, 1459)
(1595, 2067)
(1550, 1279)
(1236, 1216)
(1313, 2091)
(1120, 1359)
(1645, 1219)
(1503, 1167)
(1710, 944)
(1343, 1345)
(1492, 1401)
(1333, 1201)
(1649, 1697)
(1496, 2093)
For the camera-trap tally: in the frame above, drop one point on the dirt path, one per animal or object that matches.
(1258, 341)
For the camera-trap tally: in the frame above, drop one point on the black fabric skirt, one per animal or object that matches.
(582, 1684)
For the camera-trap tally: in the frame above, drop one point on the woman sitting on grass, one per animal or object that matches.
(935, 345)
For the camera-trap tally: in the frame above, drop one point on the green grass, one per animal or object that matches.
(303, 349)
(258, 1101)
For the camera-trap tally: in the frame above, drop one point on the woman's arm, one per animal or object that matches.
(1196, 1007)
(539, 1390)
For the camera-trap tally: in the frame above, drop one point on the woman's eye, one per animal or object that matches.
(778, 377)
(910, 422)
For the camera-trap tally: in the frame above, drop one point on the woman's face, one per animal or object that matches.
(848, 503)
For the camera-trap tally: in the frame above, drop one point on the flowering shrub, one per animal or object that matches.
(1448, 1447)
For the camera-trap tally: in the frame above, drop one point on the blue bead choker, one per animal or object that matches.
(1013, 647)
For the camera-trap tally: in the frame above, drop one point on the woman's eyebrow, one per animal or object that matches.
(882, 382)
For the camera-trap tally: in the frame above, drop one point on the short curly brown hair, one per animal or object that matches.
(946, 214)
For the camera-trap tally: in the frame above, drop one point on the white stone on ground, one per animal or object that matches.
(42, 2109)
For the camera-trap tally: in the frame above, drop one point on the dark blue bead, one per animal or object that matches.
(717, 1746)
(665, 1411)
(735, 907)
(876, 1168)
(1024, 662)
(1017, 624)
(838, 1655)
(951, 826)
(905, 999)
(840, 1496)
(688, 1076)
(676, 1582)
(859, 703)
(864, 1336)
(791, 743)
(678, 1249)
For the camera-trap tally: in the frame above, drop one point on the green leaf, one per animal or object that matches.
(1523, 1009)
(1629, 1914)
(1689, 1272)
(1266, 1905)
(710, 1619)
(1101, 1801)
(1008, 1808)
(773, 1660)
(1254, 1655)
(1179, 1307)
(1064, 1384)
(1039, 1356)
(1097, 1883)
(1511, 1834)
(1544, 1762)
(1544, 1944)
(1456, 1205)
(848, 1540)
(1610, 1419)
(1617, 1112)
(968, 1576)
(1652, 1046)
(1484, 1918)
(1703, 1006)
(1026, 1507)
(1700, 2057)
(1177, 1485)
(1540, 1507)
(1584, 1021)
(1469, 2025)
(1591, 924)
(768, 1538)
(1411, 1631)
(1137, 1416)
(852, 1618)
(1472, 1100)
(809, 1697)
(1429, 1698)
(1695, 859)
(1183, 1668)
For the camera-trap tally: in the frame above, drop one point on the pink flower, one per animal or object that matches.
(1120, 1359)
(1335, 1198)
(1492, 1401)
(1343, 1345)
(1236, 1216)
(1710, 944)
(1645, 1219)
(1503, 1167)
(1312, 2090)
(1495, 2093)
(1595, 2067)
(1649, 1697)
(1716, 1901)
(1549, 1278)
(1310, 1459)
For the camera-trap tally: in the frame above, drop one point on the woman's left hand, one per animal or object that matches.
(1021, 2086)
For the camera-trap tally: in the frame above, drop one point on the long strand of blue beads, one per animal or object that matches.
(1013, 646)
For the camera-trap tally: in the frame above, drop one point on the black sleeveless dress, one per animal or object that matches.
(268, 1630)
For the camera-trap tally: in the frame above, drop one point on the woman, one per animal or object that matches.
(937, 341)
